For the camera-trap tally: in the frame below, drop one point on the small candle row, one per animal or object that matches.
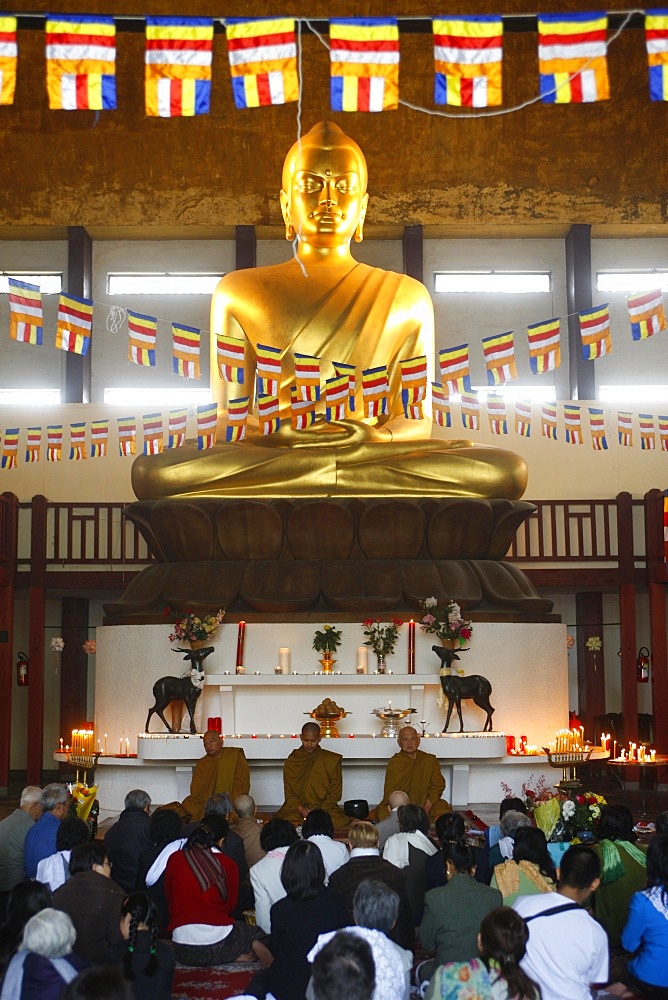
(641, 754)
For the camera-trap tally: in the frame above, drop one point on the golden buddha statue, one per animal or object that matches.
(325, 304)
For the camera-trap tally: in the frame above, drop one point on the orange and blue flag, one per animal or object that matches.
(230, 354)
(81, 62)
(341, 368)
(595, 332)
(302, 411)
(336, 397)
(54, 442)
(127, 436)
(237, 417)
(179, 52)
(523, 416)
(646, 314)
(34, 444)
(263, 60)
(268, 414)
(663, 432)
(548, 421)
(470, 410)
(10, 448)
(413, 386)
(364, 57)
(573, 423)
(544, 346)
(455, 371)
(307, 377)
(99, 438)
(77, 442)
(142, 332)
(375, 391)
(8, 58)
(154, 438)
(496, 414)
(207, 425)
(468, 54)
(572, 58)
(597, 428)
(499, 353)
(440, 403)
(625, 429)
(177, 428)
(185, 350)
(647, 432)
(75, 322)
(268, 370)
(26, 316)
(656, 42)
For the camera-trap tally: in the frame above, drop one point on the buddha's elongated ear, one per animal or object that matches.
(285, 209)
(359, 231)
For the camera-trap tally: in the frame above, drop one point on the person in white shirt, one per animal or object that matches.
(567, 950)
(55, 870)
(319, 829)
(276, 837)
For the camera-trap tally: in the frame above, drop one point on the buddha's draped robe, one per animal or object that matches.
(228, 772)
(420, 777)
(314, 780)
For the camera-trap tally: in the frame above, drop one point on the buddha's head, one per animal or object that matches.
(324, 198)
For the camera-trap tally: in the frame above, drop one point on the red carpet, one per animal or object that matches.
(212, 982)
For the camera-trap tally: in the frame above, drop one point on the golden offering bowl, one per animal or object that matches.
(391, 717)
(327, 721)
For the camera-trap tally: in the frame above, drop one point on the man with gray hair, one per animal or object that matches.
(128, 837)
(41, 838)
(13, 830)
(248, 828)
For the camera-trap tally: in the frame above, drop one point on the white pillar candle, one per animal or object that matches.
(362, 659)
(284, 659)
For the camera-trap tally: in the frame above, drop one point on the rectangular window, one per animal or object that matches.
(165, 283)
(122, 396)
(29, 397)
(632, 281)
(49, 283)
(492, 282)
(637, 395)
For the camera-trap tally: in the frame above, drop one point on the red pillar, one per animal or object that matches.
(656, 577)
(35, 730)
(8, 543)
(627, 616)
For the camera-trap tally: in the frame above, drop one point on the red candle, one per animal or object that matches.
(241, 638)
(411, 647)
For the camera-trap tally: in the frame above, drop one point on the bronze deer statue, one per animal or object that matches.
(476, 687)
(186, 689)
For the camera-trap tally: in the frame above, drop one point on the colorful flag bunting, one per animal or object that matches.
(207, 424)
(302, 411)
(625, 429)
(237, 417)
(656, 41)
(523, 415)
(663, 432)
(267, 409)
(500, 358)
(413, 386)
(263, 60)
(468, 52)
(544, 346)
(595, 332)
(573, 423)
(185, 350)
(8, 59)
(440, 403)
(54, 442)
(470, 405)
(127, 435)
(142, 332)
(336, 397)
(99, 438)
(646, 314)
(647, 432)
(25, 303)
(77, 442)
(177, 428)
(34, 444)
(597, 428)
(364, 55)
(572, 57)
(455, 372)
(548, 421)
(496, 413)
(351, 371)
(375, 391)
(154, 440)
(75, 321)
(10, 448)
(178, 66)
(307, 377)
(230, 357)
(81, 62)
(268, 371)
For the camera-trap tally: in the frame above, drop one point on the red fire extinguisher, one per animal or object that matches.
(22, 668)
(642, 665)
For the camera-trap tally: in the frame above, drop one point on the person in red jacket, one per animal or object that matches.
(202, 887)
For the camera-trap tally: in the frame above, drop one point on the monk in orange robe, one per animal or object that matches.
(222, 769)
(416, 773)
(312, 779)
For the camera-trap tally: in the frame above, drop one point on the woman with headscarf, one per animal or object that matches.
(623, 870)
(529, 871)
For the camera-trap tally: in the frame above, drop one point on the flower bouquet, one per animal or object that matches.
(193, 628)
(327, 639)
(381, 638)
(447, 622)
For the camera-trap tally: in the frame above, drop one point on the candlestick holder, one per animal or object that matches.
(85, 761)
(568, 761)
(391, 718)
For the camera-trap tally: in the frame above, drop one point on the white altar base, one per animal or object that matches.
(525, 663)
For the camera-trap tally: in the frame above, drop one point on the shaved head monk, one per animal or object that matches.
(312, 779)
(222, 769)
(416, 773)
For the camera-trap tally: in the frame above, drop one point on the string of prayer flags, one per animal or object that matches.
(179, 53)
(153, 434)
(34, 444)
(656, 42)
(523, 415)
(237, 418)
(10, 448)
(75, 321)
(99, 438)
(470, 405)
(302, 411)
(572, 58)
(336, 397)
(440, 403)
(230, 356)
(307, 377)
(207, 423)
(268, 409)
(595, 332)
(127, 436)
(54, 442)
(364, 56)
(413, 386)
(646, 314)
(81, 62)
(625, 429)
(573, 423)
(455, 372)
(496, 413)
(548, 421)
(8, 59)
(177, 428)
(544, 346)
(597, 428)
(77, 442)
(647, 432)
(468, 53)
(263, 60)
(26, 316)
(375, 391)
(499, 351)
(268, 370)
(185, 350)
(142, 332)
(351, 371)
(663, 432)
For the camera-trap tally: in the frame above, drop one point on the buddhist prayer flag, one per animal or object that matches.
(544, 346)
(440, 403)
(336, 397)
(75, 321)
(572, 57)
(467, 53)
(34, 444)
(99, 438)
(268, 371)
(351, 371)
(364, 55)
(25, 303)
(263, 60)
(237, 417)
(302, 410)
(8, 58)
(656, 41)
(470, 405)
(267, 409)
(548, 421)
(625, 429)
(496, 413)
(10, 448)
(597, 428)
(207, 423)
(177, 428)
(663, 432)
(81, 62)
(647, 433)
(455, 372)
(413, 386)
(142, 331)
(595, 332)
(127, 435)
(154, 440)
(523, 415)
(230, 357)
(646, 314)
(375, 391)
(573, 423)
(77, 442)
(185, 350)
(54, 442)
(178, 66)
(500, 358)
(307, 377)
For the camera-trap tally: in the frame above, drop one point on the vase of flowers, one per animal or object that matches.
(446, 623)
(381, 638)
(195, 629)
(326, 641)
